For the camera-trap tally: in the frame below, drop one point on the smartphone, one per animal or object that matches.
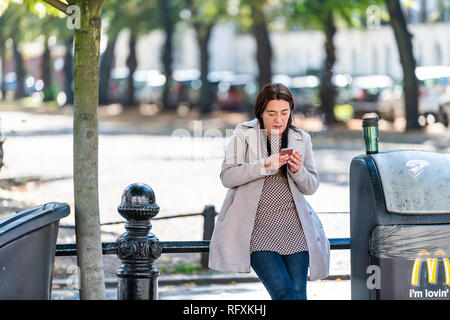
(287, 151)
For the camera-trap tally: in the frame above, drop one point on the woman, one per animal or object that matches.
(265, 221)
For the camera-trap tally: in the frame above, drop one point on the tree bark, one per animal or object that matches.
(106, 65)
(263, 46)
(167, 53)
(206, 94)
(327, 90)
(85, 150)
(132, 65)
(405, 50)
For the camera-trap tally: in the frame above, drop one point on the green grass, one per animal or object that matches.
(28, 103)
(184, 268)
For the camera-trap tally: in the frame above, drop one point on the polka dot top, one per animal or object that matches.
(277, 225)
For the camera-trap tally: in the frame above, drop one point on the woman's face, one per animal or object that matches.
(275, 116)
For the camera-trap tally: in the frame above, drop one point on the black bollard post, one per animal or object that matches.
(138, 248)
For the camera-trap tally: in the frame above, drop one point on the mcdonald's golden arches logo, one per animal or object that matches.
(432, 263)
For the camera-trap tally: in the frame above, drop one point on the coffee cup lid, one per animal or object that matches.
(370, 122)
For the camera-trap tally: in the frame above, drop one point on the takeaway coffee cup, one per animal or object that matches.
(370, 132)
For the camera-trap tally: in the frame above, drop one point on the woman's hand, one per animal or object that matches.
(295, 161)
(275, 161)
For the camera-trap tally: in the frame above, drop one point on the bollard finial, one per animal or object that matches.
(138, 203)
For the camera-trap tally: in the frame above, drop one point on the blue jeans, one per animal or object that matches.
(284, 276)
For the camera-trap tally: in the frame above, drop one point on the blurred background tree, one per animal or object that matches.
(203, 15)
(405, 49)
(114, 22)
(256, 15)
(168, 17)
(14, 28)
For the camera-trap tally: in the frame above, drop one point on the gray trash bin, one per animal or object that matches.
(400, 225)
(27, 251)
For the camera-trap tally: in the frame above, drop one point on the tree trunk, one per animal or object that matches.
(206, 93)
(327, 90)
(46, 66)
(106, 65)
(85, 150)
(405, 50)
(442, 10)
(68, 71)
(263, 46)
(168, 104)
(2, 79)
(132, 65)
(20, 72)
(423, 11)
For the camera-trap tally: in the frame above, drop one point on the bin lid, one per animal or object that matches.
(415, 182)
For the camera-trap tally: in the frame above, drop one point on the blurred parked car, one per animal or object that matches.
(234, 92)
(434, 97)
(185, 89)
(369, 92)
(147, 85)
(118, 84)
(305, 90)
(444, 102)
(434, 85)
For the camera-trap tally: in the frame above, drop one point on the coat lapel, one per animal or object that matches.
(296, 141)
(260, 142)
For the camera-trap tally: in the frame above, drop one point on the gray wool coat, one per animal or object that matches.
(243, 173)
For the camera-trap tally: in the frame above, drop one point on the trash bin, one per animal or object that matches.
(400, 225)
(27, 251)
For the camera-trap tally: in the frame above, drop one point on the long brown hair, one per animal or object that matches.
(275, 91)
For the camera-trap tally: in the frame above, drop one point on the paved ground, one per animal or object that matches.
(316, 290)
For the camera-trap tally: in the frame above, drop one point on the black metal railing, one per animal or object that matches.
(209, 214)
(64, 250)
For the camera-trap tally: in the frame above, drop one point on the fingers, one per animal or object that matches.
(283, 158)
(295, 161)
(275, 161)
(297, 155)
(296, 158)
(293, 167)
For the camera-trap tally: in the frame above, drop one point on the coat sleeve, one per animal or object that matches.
(307, 177)
(235, 171)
